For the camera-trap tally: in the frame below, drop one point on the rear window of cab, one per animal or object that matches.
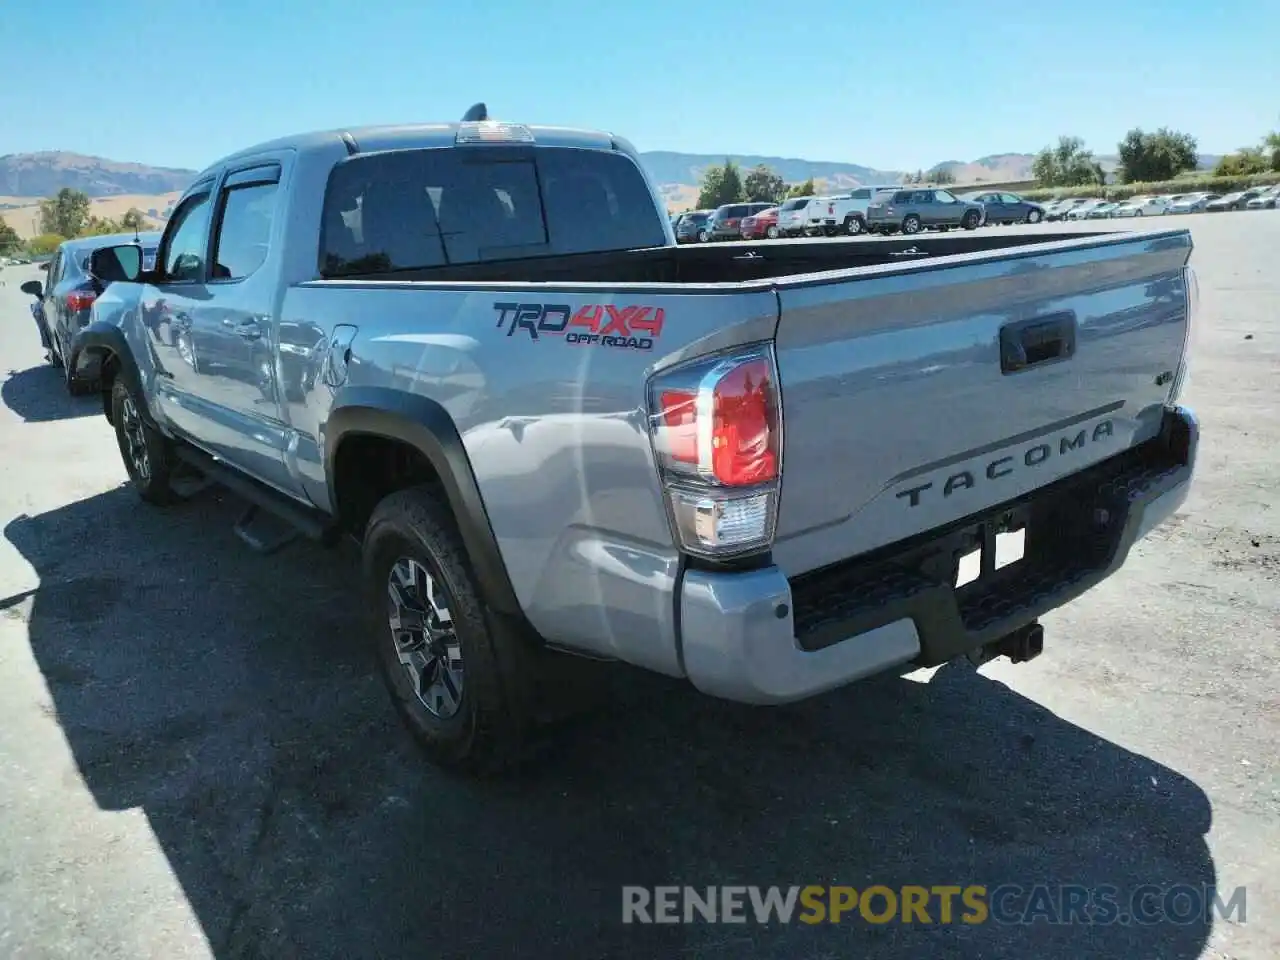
(421, 208)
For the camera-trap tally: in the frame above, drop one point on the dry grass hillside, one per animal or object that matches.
(23, 213)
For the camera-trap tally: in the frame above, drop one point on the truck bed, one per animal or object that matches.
(739, 261)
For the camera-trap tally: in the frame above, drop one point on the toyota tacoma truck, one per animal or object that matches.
(771, 468)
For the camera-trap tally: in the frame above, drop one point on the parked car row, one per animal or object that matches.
(897, 208)
(867, 209)
(1096, 208)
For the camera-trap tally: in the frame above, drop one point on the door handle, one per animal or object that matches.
(249, 330)
(1036, 342)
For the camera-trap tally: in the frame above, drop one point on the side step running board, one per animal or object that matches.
(303, 520)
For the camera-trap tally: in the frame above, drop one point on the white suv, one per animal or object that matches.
(846, 213)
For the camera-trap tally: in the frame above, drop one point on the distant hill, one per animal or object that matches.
(44, 174)
(687, 168)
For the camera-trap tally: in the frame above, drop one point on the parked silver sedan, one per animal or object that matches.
(1193, 202)
(1267, 200)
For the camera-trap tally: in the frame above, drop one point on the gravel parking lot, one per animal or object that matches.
(197, 759)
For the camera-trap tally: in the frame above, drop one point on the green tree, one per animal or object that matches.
(1155, 157)
(764, 185)
(806, 189)
(65, 214)
(133, 219)
(9, 239)
(1243, 163)
(943, 177)
(721, 185)
(44, 244)
(1271, 145)
(1068, 164)
(100, 226)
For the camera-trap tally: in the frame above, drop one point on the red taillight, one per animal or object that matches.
(80, 300)
(717, 437)
(741, 454)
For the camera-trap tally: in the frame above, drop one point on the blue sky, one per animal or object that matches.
(894, 86)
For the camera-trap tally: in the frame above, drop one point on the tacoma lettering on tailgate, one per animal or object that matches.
(603, 325)
(1031, 457)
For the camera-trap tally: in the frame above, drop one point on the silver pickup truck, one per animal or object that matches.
(771, 468)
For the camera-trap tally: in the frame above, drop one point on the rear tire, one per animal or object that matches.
(147, 455)
(463, 683)
(854, 226)
(772, 233)
(911, 224)
(971, 220)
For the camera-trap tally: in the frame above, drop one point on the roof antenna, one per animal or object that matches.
(477, 112)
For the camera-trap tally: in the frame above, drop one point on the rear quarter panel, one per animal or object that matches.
(556, 430)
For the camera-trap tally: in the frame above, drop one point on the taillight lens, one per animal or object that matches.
(80, 300)
(717, 436)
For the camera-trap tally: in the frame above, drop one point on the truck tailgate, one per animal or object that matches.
(913, 398)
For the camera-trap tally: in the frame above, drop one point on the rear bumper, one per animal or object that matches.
(759, 637)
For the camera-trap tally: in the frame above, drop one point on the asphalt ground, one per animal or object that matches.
(197, 759)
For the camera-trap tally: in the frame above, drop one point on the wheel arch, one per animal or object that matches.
(107, 343)
(379, 416)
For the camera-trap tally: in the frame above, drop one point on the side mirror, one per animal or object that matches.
(45, 266)
(110, 264)
(32, 288)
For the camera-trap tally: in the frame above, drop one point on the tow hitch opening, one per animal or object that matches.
(1025, 643)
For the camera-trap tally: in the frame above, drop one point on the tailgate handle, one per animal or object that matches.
(1036, 342)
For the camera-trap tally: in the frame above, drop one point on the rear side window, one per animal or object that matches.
(410, 209)
(864, 194)
(244, 231)
(902, 196)
(795, 204)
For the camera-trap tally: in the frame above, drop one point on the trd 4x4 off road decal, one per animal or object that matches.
(601, 325)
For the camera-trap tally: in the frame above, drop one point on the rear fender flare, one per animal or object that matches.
(427, 427)
(106, 340)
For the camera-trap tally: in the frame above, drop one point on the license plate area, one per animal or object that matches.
(990, 546)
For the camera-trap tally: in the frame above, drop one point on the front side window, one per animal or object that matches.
(184, 258)
(244, 232)
(421, 208)
(942, 196)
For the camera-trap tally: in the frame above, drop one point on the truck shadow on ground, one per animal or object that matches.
(38, 395)
(229, 697)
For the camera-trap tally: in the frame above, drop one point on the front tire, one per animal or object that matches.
(146, 453)
(772, 233)
(1034, 216)
(458, 675)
